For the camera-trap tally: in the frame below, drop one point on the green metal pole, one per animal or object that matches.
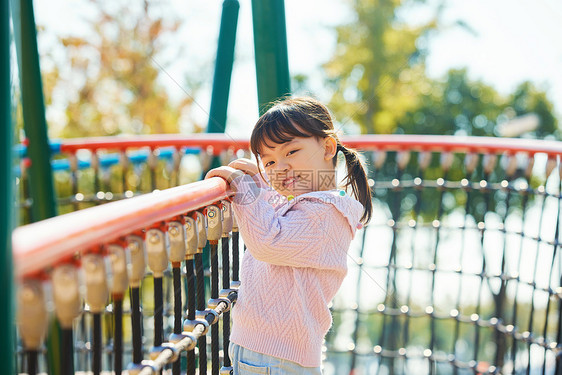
(270, 46)
(7, 321)
(223, 67)
(221, 89)
(41, 185)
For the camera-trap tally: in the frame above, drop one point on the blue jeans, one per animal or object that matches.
(247, 362)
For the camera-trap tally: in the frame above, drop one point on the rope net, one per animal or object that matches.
(457, 273)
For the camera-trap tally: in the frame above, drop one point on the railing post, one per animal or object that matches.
(270, 46)
(6, 199)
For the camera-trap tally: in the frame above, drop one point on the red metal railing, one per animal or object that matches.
(40, 245)
(449, 143)
(220, 142)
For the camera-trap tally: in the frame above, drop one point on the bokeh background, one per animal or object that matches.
(383, 66)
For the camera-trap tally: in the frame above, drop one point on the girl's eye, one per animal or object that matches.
(268, 164)
(292, 152)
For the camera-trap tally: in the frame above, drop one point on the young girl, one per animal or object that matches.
(297, 236)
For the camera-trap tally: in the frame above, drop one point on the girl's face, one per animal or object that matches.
(301, 165)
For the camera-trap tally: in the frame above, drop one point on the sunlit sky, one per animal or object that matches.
(513, 41)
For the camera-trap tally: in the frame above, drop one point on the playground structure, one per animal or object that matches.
(458, 272)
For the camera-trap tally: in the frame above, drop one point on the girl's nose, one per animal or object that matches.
(282, 165)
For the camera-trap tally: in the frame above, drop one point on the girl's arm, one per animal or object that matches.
(308, 235)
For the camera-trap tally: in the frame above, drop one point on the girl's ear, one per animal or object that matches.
(330, 148)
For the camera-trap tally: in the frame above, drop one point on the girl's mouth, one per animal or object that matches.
(289, 182)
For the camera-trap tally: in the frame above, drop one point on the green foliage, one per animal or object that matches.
(378, 66)
(527, 98)
(459, 106)
(455, 106)
(378, 79)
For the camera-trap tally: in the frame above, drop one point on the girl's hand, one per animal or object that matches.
(227, 173)
(230, 174)
(245, 165)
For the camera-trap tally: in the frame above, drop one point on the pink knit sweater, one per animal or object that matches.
(295, 262)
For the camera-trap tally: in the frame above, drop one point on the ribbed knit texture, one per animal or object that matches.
(295, 262)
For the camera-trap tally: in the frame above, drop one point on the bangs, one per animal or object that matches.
(272, 129)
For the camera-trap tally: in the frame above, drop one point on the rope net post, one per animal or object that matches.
(214, 231)
(178, 248)
(201, 230)
(157, 263)
(135, 245)
(226, 291)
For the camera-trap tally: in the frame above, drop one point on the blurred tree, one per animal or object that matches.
(379, 81)
(459, 106)
(378, 67)
(454, 106)
(109, 82)
(527, 99)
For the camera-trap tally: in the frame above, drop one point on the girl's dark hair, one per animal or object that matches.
(279, 125)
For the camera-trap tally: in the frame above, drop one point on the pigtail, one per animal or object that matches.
(357, 178)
